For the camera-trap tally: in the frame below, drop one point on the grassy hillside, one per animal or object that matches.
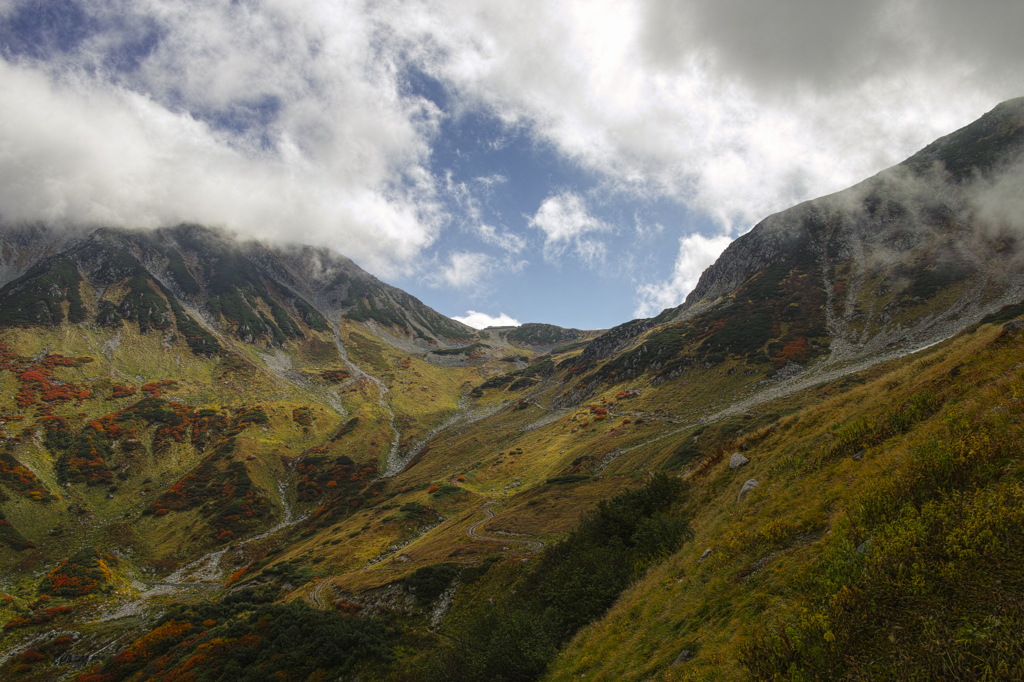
(880, 543)
(883, 526)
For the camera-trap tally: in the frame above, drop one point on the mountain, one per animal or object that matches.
(249, 290)
(226, 459)
(899, 261)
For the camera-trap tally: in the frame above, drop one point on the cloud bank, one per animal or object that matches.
(482, 320)
(307, 120)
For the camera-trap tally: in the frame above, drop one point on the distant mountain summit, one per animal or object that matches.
(936, 191)
(198, 283)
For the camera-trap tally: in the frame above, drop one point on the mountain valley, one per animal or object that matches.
(225, 459)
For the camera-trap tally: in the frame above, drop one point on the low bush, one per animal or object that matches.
(572, 583)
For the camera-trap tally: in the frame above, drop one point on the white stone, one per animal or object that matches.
(737, 460)
(747, 487)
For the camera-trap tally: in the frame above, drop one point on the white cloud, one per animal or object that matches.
(465, 269)
(481, 320)
(565, 222)
(509, 241)
(466, 196)
(296, 120)
(713, 107)
(275, 120)
(696, 253)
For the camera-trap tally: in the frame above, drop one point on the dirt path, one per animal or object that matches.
(316, 595)
(534, 545)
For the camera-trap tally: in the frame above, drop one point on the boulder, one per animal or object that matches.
(747, 487)
(737, 460)
(683, 656)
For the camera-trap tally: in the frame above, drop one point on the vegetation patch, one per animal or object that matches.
(36, 297)
(470, 350)
(10, 536)
(302, 416)
(348, 428)
(37, 617)
(536, 334)
(20, 480)
(241, 640)
(429, 582)
(84, 573)
(339, 484)
(519, 380)
(38, 385)
(924, 579)
(572, 583)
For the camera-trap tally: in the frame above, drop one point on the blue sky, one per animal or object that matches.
(576, 163)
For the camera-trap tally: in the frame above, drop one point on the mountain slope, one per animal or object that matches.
(306, 474)
(903, 259)
(228, 281)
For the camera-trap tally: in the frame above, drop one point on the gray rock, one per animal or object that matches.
(859, 456)
(864, 547)
(683, 656)
(747, 487)
(1013, 326)
(737, 460)
(705, 555)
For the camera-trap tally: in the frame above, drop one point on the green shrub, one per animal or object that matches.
(429, 582)
(572, 583)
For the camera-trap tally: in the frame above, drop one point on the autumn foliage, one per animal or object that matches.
(12, 538)
(37, 617)
(79, 575)
(37, 380)
(19, 479)
(245, 641)
(338, 482)
(302, 416)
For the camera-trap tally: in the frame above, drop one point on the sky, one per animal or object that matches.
(573, 163)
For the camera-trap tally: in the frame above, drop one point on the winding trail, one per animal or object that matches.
(814, 376)
(534, 545)
(315, 595)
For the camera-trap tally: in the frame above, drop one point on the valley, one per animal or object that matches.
(228, 459)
